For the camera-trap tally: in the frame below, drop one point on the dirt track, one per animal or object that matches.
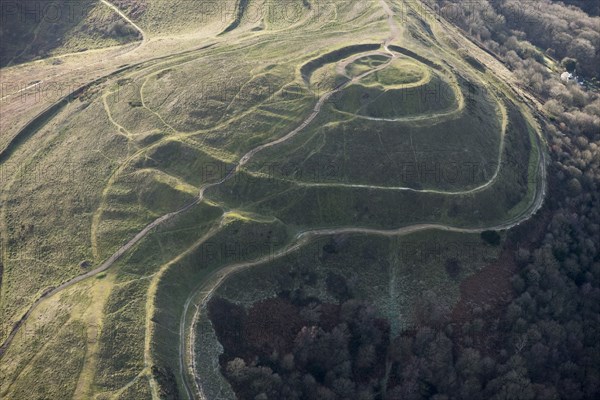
(203, 294)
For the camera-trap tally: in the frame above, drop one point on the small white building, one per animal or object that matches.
(567, 77)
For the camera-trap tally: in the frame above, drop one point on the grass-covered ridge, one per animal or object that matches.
(37, 29)
(260, 153)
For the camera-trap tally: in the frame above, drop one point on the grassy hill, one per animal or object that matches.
(235, 142)
(36, 29)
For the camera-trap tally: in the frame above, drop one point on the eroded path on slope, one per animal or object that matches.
(199, 298)
(126, 18)
(203, 294)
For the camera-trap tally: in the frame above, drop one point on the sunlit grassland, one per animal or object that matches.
(46, 239)
(53, 343)
(110, 312)
(144, 143)
(104, 136)
(334, 205)
(39, 29)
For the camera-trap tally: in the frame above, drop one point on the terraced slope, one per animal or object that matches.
(182, 168)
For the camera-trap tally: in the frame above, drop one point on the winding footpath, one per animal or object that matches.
(202, 295)
(80, 53)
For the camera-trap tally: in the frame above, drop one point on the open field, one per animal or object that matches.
(194, 165)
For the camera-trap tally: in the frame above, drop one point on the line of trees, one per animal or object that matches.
(532, 28)
(543, 345)
(294, 347)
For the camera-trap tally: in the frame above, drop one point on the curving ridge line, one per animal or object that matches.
(316, 110)
(107, 264)
(78, 53)
(206, 290)
(203, 294)
(213, 282)
(31, 128)
(301, 237)
(243, 161)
